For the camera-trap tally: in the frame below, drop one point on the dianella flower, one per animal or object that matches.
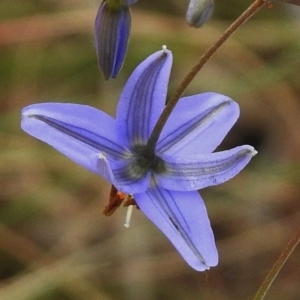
(199, 11)
(163, 182)
(112, 30)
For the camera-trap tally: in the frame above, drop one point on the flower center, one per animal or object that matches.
(142, 163)
(146, 162)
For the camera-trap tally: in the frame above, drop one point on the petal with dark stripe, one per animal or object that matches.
(190, 173)
(143, 98)
(78, 131)
(182, 217)
(198, 124)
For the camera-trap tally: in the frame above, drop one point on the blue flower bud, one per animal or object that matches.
(112, 30)
(199, 11)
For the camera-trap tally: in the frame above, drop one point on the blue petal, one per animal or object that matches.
(189, 173)
(182, 217)
(78, 131)
(101, 163)
(198, 124)
(112, 30)
(143, 98)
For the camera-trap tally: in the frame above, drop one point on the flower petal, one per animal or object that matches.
(102, 165)
(112, 30)
(78, 131)
(182, 217)
(186, 173)
(198, 124)
(143, 98)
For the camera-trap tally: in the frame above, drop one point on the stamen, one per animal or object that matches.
(128, 215)
(164, 48)
(115, 200)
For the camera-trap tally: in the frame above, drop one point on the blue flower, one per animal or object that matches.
(199, 11)
(164, 185)
(112, 30)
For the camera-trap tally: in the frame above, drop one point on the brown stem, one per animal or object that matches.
(287, 251)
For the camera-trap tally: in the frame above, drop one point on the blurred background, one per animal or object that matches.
(55, 243)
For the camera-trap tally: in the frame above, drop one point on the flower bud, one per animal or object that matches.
(112, 30)
(199, 11)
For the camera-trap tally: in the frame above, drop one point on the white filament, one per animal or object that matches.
(128, 216)
(164, 48)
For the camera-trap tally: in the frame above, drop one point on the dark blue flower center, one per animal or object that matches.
(145, 162)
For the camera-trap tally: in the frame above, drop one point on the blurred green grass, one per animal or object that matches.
(54, 241)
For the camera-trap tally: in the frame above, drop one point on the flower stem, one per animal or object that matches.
(245, 16)
(287, 251)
